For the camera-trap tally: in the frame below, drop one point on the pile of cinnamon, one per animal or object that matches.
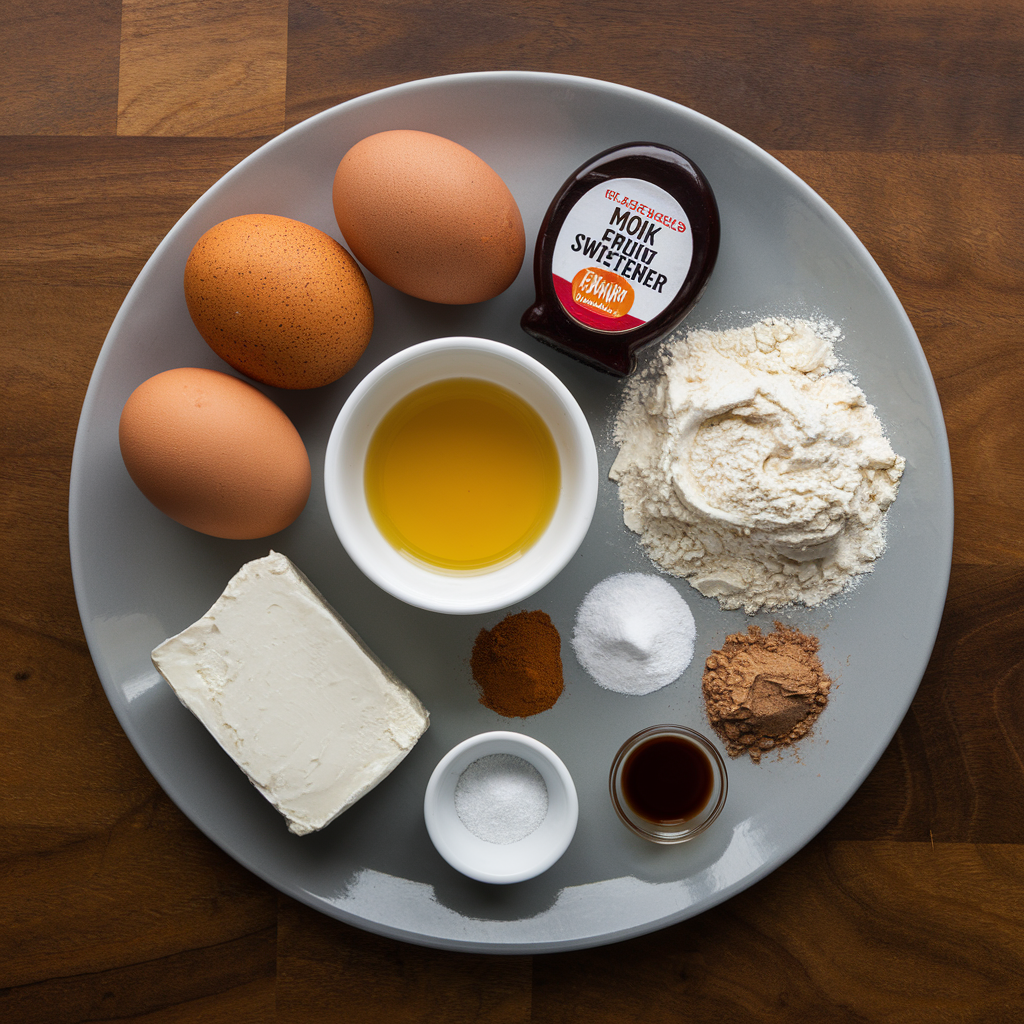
(518, 665)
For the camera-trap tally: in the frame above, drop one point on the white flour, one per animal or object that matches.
(754, 468)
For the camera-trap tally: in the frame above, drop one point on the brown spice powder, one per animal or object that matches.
(518, 665)
(763, 692)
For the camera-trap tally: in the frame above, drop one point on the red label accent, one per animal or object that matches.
(599, 299)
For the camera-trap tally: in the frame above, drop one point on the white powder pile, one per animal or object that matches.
(634, 633)
(753, 467)
(501, 798)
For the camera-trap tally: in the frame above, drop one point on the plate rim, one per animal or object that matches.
(112, 688)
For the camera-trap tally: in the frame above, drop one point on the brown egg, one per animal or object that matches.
(429, 217)
(279, 300)
(214, 454)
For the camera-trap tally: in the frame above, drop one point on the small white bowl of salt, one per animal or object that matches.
(501, 807)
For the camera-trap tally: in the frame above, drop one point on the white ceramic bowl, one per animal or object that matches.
(386, 384)
(506, 862)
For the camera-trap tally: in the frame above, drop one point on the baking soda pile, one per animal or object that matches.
(634, 633)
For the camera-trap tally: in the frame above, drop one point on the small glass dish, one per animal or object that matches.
(668, 783)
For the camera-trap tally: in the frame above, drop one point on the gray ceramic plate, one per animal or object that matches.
(140, 577)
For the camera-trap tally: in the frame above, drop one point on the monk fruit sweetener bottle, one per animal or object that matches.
(623, 254)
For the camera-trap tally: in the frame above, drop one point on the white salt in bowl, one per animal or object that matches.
(460, 593)
(500, 863)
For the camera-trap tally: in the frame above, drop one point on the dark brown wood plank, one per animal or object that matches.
(227, 983)
(802, 74)
(60, 67)
(953, 772)
(114, 905)
(52, 335)
(90, 211)
(844, 932)
(325, 968)
(944, 229)
(82, 783)
(84, 899)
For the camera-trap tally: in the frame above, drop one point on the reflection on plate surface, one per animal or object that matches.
(784, 251)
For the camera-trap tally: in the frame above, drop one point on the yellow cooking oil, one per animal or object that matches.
(462, 475)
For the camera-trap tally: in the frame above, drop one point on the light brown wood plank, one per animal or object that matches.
(202, 67)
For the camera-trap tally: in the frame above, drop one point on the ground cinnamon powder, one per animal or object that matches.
(518, 665)
(763, 692)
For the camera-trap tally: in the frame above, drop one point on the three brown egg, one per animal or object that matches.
(286, 305)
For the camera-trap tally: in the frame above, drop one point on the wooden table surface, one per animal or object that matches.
(907, 116)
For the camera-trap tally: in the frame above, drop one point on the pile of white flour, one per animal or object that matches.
(749, 464)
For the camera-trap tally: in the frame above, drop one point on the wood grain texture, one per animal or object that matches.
(955, 769)
(60, 67)
(804, 74)
(202, 67)
(793, 947)
(945, 229)
(89, 212)
(907, 116)
(324, 967)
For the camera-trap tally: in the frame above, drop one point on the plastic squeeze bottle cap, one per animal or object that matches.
(623, 254)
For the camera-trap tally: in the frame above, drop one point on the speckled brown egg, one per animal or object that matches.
(214, 453)
(279, 300)
(429, 217)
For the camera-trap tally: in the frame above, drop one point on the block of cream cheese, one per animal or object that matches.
(292, 694)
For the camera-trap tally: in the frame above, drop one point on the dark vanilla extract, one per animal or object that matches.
(667, 779)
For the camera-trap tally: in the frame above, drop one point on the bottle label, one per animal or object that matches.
(621, 255)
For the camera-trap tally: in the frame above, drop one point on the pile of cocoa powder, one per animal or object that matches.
(764, 691)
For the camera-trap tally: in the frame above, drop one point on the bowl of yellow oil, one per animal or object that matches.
(461, 475)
